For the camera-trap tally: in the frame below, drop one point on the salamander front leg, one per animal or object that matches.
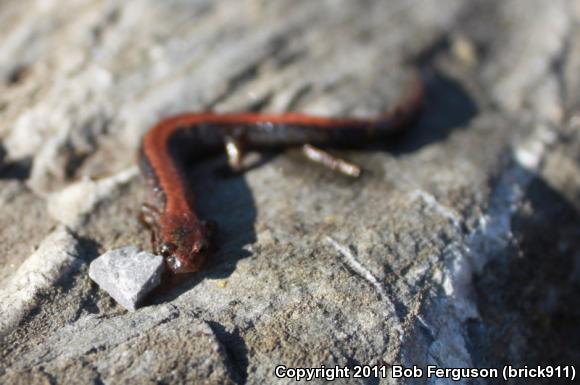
(322, 157)
(149, 217)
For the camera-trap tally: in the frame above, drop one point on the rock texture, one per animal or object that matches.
(457, 247)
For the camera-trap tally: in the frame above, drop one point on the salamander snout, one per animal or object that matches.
(184, 254)
(184, 243)
(180, 261)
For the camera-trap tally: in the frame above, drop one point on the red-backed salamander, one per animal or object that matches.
(176, 231)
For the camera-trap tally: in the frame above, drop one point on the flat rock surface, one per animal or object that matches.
(457, 247)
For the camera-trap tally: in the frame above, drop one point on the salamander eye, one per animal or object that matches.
(167, 248)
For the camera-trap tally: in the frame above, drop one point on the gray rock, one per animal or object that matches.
(56, 256)
(127, 274)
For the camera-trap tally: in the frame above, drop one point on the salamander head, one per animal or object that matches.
(184, 244)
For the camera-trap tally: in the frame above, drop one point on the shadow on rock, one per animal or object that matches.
(15, 169)
(235, 349)
(527, 296)
(447, 107)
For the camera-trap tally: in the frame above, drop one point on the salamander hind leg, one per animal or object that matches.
(322, 157)
(235, 153)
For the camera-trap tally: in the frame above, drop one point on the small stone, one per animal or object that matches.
(329, 219)
(127, 274)
(221, 283)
